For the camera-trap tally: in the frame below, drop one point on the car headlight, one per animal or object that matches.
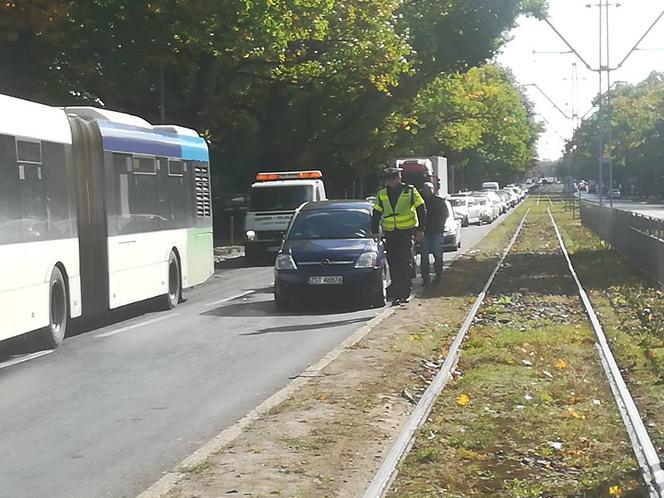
(367, 260)
(251, 235)
(285, 262)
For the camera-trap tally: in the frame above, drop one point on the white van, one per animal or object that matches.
(495, 186)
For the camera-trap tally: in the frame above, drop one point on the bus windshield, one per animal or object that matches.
(275, 198)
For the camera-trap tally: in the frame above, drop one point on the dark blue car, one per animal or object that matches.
(329, 250)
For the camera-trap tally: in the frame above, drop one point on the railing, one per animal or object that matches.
(636, 237)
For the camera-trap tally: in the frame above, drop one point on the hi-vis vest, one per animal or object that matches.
(404, 216)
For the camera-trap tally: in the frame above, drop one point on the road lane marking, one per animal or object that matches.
(25, 358)
(136, 325)
(232, 298)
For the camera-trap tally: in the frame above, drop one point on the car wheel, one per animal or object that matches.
(282, 302)
(174, 293)
(379, 295)
(58, 310)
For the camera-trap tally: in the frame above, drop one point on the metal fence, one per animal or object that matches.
(636, 237)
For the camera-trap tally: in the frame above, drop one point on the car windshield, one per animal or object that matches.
(457, 202)
(332, 224)
(280, 198)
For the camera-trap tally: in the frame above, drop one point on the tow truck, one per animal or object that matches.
(273, 199)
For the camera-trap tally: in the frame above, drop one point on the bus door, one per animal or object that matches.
(88, 160)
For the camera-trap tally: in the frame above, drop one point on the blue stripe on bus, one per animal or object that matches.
(194, 149)
(134, 140)
(138, 146)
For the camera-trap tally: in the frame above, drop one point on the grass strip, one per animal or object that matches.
(530, 413)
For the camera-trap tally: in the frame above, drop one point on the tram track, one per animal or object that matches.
(641, 443)
(381, 481)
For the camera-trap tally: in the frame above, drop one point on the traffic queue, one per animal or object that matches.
(363, 250)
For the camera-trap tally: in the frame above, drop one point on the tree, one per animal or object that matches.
(637, 129)
(271, 83)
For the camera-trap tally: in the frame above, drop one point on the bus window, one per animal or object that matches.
(10, 228)
(28, 152)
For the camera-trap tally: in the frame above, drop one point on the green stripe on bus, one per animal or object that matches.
(200, 255)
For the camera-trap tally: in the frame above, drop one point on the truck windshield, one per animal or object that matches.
(285, 198)
(332, 224)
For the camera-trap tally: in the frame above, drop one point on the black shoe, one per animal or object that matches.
(404, 300)
(396, 302)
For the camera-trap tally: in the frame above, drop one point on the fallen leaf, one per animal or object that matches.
(462, 399)
(572, 413)
(615, 491)
(405, 394)
(561, 364)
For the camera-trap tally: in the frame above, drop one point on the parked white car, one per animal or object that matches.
(487, 211)
(499, 206)
(467, 208)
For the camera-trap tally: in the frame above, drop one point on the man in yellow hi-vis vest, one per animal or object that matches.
(400, 209)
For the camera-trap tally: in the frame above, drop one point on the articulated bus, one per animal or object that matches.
(98, 209)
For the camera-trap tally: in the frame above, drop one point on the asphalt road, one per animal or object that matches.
(653, 210)
(116, 406)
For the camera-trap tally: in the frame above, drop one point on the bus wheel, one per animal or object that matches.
(58, 310)
(172, 297)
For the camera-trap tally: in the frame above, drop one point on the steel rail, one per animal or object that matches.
(644, 450)
(382, 480)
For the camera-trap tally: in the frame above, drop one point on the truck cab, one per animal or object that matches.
(418, 170)
(272, 201)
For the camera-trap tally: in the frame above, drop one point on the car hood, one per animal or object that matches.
(314, 251)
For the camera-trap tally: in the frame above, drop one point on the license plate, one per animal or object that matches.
(273, 249)
(326, 280)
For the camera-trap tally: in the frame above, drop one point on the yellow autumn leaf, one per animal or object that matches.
(561, 364)
(615, 491)
(572, 413)
(462, 399)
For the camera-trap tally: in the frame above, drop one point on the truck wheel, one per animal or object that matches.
(58, 310)
(250, 256)
(172, 297)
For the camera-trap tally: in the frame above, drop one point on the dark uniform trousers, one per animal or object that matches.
(399, 245)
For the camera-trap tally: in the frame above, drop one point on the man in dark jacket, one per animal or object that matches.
(433, 235)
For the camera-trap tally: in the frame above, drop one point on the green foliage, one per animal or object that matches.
(285, 83)
(637, 129)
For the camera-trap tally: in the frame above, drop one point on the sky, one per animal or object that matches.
(552, 73)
